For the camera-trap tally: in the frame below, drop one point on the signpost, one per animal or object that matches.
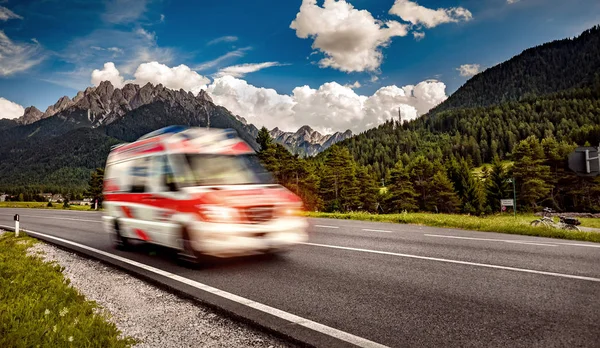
(585, 161)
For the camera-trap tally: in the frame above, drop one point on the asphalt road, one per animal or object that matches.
(400, 285)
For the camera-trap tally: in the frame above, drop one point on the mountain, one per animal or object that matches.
(306, 141)
(74, 135)
(541, 70)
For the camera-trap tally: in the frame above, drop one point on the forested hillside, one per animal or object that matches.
(479, 134)
(548, 68)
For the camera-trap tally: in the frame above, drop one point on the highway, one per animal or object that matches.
(397, 285)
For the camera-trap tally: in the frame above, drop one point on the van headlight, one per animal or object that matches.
(218, 213)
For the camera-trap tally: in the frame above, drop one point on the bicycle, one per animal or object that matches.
(565, 223)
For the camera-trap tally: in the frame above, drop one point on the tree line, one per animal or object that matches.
(335, 181)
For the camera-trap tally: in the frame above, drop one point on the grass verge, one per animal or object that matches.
(493, 223)
(43, 205)
(38, 307)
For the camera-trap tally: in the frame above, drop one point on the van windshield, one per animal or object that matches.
(208, 170)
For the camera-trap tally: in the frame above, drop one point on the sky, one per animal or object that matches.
(331, 64)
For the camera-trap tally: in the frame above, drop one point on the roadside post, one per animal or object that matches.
(512, 202)
(16, 225)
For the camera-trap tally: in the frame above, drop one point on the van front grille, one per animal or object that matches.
(257, 215)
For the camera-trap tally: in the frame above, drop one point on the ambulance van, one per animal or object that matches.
(202, 192)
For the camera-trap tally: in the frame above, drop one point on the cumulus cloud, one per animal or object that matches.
(10, 110)
(350, 39)
(356, 84)
(468, 70)
(17, 57)
(331, 107)
(416, 14)
(6, 14)
(223, 39)
(178, 77)
(242, 69)
(108, 73)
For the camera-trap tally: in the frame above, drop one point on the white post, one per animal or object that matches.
(96, 205)
(16, 225)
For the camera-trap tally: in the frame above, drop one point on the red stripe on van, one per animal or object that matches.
(143, 236)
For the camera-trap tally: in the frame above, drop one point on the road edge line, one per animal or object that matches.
(290, 326)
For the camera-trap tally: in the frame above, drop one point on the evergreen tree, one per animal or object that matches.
(533, 177)
(367, 190)
(497, 186)
(442, 197)
(264, 138)
(421, 173)
(402, 195)
(96, 186)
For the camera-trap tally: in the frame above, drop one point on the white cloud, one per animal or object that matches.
(162, 17)
(178, 77)
(150, 36)
(242, 69)
(350, 39)
(17, 57)
(356, 84)
(416, 14)
(10, 109)
(223, 39)
(419, 35)
(108, 73)
(330, 107)
(124, 11)
(468, 70)
(511, 1)
(6, 14)
(240, 52)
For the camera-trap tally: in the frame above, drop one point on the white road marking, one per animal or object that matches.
(370, 230)
(581, 245)
(54, 218)
(506, 268)
(325, 226)
(342, 335)
(491, 240)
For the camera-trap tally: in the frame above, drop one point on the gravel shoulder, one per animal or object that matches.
(155, 317)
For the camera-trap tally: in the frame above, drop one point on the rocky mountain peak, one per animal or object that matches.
(31, 115)
(203, 95)
(60, 105)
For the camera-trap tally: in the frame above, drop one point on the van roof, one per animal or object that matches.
(181, 139)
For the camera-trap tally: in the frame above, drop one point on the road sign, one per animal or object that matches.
(585, 161)
(507, 202)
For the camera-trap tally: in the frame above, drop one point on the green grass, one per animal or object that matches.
(493, 223)
(42, 205)
(38, 307)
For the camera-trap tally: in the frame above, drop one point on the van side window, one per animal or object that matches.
(139, 174)
(166, 175)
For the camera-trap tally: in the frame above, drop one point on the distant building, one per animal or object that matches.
(3, 197)
(52, 197)
(86, 201)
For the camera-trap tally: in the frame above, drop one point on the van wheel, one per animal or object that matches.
(187, 255)
(120, 242)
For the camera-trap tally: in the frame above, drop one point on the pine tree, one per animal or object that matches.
(442, 197)
(95, 186)
(421, 173)
(533, 177)
(264, 138)
(368, 190)
(497, 186)
(402, 195)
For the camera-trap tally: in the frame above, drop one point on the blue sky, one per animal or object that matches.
(54, 45)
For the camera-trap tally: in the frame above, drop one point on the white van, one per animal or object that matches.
(202, 192)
